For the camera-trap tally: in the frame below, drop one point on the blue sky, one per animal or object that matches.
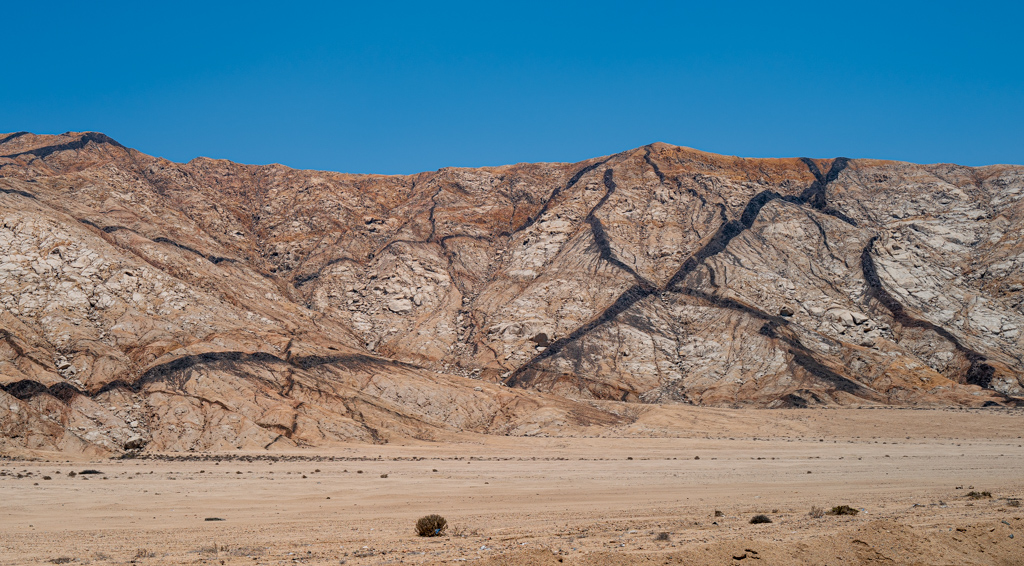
(405, 87)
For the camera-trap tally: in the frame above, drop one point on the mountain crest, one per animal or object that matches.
(213, 305)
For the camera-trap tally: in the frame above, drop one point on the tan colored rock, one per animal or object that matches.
(251, 306)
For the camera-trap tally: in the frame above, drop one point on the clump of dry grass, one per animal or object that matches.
(463, 531)
(842, 510)
(756, 519)
(817, 512)
(431, 526)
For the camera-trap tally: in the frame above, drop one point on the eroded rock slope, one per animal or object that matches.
(213, 305)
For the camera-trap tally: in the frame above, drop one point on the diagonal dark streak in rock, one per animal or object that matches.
(979, 372)
(604, 245)
(10, 137)
(657, 170)
(430, 216)
(432, 237)
(814, 196)
(211, 258)
(173, 370)
(803, 356)
(28, 388)
(640, 290)
(17, 192)
(625, 300)
(174, 373)
(821, 232)
(81, 142)
(160, 240)
(300, 280)
(558, 190)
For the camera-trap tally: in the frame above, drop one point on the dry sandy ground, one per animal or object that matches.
(582, 500)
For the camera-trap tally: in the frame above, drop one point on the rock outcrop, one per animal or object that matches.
(213, 305)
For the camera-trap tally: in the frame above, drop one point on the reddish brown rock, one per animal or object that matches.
(212, 305)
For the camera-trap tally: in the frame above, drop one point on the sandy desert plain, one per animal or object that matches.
(589, 497)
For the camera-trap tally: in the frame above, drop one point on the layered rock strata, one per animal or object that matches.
(213, 305)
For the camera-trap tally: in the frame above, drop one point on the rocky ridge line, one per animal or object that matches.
(212, 305)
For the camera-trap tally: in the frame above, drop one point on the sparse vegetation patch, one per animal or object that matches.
(431, 526)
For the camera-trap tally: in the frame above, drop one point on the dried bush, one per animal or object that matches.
(662, 537)
(463, 531)
(842, 510)
(760, 519)
(431, 526)
(817, 512)
(979, 495)
(1013, 502)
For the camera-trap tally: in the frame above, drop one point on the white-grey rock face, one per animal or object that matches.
(217, 305)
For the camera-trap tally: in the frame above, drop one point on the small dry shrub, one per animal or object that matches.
(431, 526)
(1013, 502)
(817, 512)
(662, 537)
(979, 495)
(760, 519)
(248, 551)
(463, 531)
(842, 510)
(215, 549)
(144, 553)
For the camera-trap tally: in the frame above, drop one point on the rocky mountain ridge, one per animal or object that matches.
(213, 305)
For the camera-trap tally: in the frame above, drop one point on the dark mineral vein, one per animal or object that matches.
(814, 196)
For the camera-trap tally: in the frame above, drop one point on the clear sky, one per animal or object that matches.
(393, 87)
